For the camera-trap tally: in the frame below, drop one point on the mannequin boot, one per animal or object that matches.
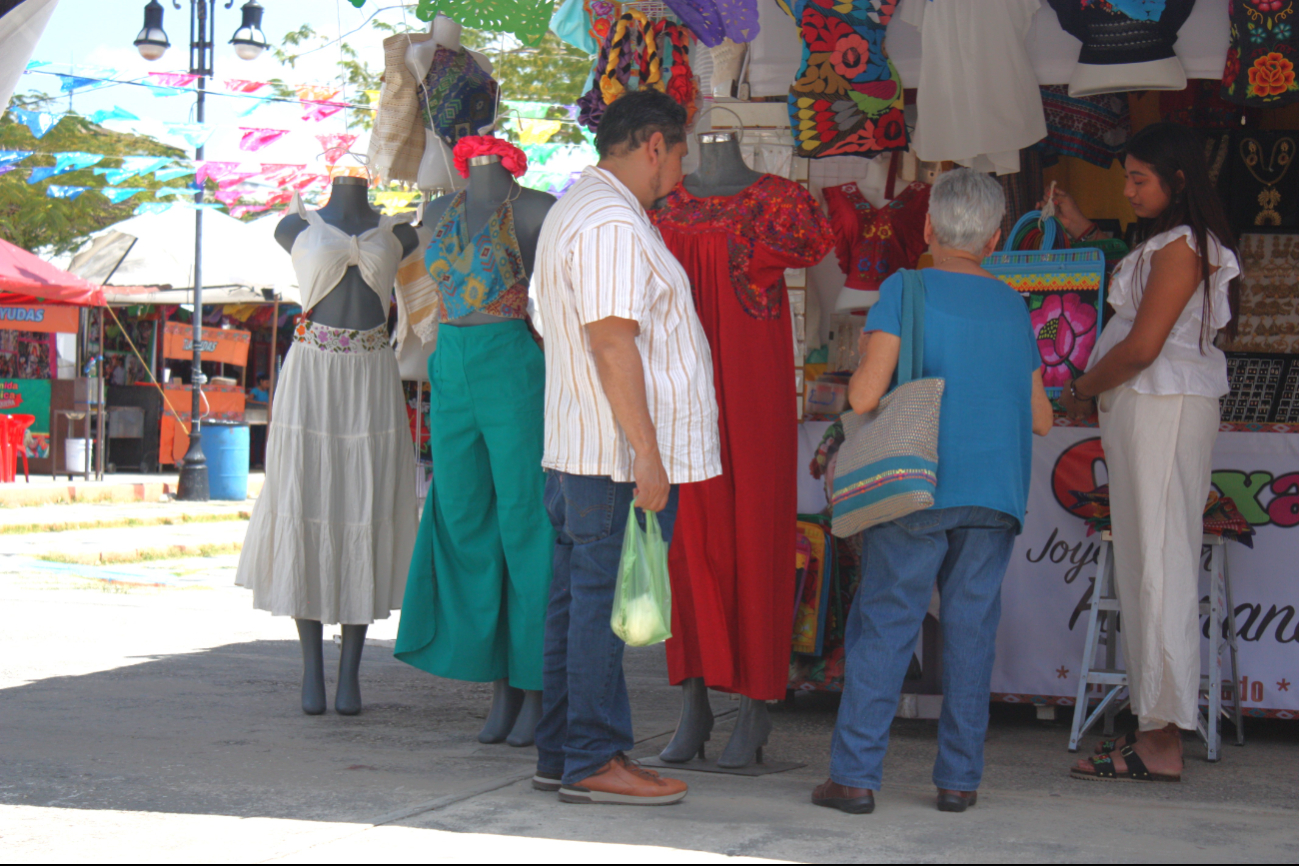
(348, 700)
(506, 703)
(695, 726)
(752, 727)
(524, 732)
(313, 667)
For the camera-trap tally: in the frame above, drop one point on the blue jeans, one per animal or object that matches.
(966, 550)
(586, 715)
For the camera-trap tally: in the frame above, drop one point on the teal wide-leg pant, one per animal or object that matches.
(475, 605)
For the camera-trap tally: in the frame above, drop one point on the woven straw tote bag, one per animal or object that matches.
(888, 464)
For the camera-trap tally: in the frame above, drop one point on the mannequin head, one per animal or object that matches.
(641, 141)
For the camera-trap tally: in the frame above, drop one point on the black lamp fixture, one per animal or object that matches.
(249, 40)
(152, 41)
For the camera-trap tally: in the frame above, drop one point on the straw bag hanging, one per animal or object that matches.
(888, 464)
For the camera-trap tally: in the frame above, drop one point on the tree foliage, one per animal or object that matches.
(30, 219)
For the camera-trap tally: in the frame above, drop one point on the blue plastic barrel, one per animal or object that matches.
(225, 446)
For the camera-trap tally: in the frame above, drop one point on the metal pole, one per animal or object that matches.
(192, 485)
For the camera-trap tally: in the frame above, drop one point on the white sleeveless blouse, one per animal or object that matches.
(322, 253)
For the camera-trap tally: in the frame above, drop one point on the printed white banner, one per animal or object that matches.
(1040, 642)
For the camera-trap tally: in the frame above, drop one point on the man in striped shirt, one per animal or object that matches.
(630, 413)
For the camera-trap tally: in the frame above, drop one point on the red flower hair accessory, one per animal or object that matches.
(514, 160)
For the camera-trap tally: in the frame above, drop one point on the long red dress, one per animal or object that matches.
(732, 557)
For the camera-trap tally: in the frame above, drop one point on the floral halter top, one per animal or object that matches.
(484, 273)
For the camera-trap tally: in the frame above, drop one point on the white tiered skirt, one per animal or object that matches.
(332, 532)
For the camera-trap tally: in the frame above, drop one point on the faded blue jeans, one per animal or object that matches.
(586, 715)
(966, 550)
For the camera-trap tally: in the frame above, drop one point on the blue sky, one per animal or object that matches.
(85, 36)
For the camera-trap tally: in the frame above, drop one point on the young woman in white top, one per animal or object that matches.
(1156, 377)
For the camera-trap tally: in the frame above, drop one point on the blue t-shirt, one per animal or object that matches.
(979, 338)
(259, 395)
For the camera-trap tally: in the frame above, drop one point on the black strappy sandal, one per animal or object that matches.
(1106, 746)
(1105, 771)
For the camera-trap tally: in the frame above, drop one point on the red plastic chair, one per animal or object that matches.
(17, 435)
(8, 461)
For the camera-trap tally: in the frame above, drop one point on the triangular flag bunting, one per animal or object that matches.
(74, 161)
(256, 139)
(166, 174)
(68, 192)
(239, 85)
(13, 157)
(174, 79)
(335, 144)
(40, 173)
(39, 122)
(210, 169)
(117, 195)
(117, 112)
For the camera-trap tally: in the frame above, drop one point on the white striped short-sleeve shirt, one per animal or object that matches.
(600, 256)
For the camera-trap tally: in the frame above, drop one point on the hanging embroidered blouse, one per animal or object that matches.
(874, 243)
(482, 274)
(1126, 44)
(1262, 54)
(322, 254)
(457, 97)
(748, 239)
(847, 98)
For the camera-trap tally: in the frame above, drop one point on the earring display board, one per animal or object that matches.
(1259, 183)
(1264, 389)
(1269, 294)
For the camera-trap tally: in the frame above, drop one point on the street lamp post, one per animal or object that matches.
(249, 42)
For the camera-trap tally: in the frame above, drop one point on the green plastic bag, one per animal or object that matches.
(642, 600)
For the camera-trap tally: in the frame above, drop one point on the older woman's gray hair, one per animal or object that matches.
(965, 208)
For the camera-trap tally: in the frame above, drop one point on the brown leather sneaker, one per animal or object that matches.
(854, 801)
(624, 782)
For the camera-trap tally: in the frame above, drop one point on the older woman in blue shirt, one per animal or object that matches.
(978, 338)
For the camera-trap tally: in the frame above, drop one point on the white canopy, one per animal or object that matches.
(239, 261)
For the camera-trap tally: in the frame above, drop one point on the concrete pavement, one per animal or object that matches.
(159, 723)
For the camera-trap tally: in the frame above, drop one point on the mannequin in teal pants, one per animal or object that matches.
(479, 581)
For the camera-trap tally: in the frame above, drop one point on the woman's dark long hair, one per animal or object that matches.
(1170, 148)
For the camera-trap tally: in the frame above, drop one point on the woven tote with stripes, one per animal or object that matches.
(888, 464)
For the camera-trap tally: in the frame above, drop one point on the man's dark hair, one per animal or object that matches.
(635, 116)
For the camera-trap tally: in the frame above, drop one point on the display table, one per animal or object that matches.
(224, 403)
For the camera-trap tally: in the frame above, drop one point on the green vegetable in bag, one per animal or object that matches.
(642, 600)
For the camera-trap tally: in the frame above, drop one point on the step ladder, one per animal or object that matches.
(1102, 629)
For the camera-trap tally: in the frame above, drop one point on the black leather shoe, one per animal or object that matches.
(956, 801)
(854, 801)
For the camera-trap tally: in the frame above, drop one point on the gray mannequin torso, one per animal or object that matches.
(721, 168)
(490, 185)
(351, 304)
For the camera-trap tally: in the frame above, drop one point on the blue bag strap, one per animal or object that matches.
(1048, 231)
(911, 356)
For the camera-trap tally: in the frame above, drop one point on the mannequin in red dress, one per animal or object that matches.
(732, 560)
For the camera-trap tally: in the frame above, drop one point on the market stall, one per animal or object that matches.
(248, 299)
(42, 310)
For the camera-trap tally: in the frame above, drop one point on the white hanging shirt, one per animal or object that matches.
(1181, 368)
(322, 254)
(978, 101)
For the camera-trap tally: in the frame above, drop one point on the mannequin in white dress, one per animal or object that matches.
(436, 169)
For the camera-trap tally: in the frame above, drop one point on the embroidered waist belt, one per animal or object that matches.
(340, 340)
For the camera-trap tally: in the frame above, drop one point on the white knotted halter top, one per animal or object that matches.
(322, 253)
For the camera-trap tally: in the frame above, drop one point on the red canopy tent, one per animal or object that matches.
(26, 279)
